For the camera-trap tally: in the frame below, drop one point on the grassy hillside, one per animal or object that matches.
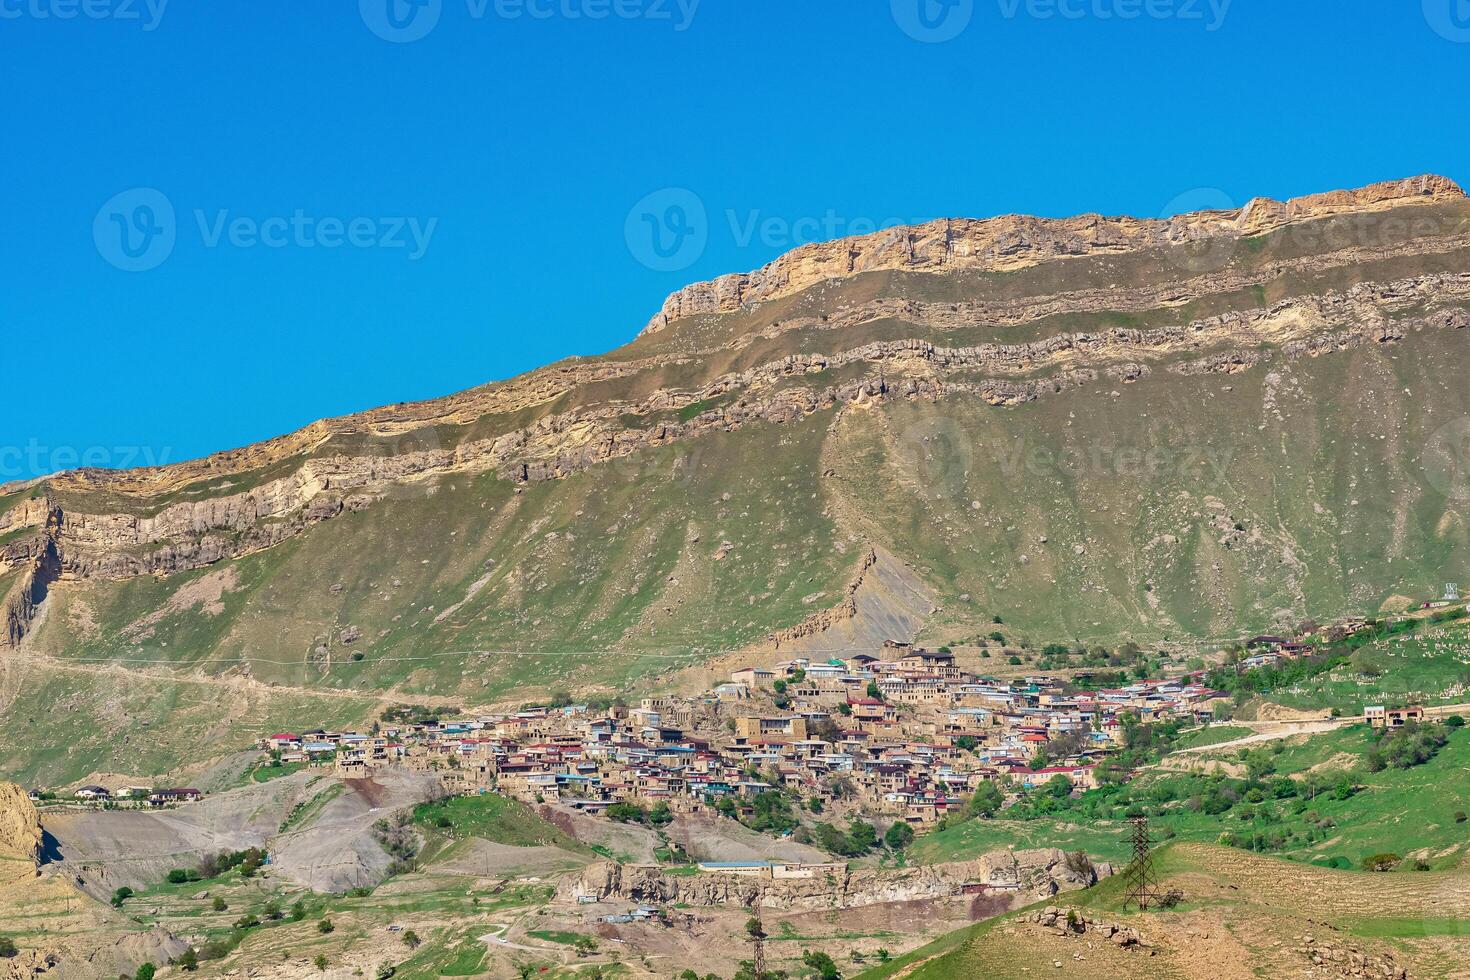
(477, 590)
(1242, 915)
(1285, 802)
(57, 726)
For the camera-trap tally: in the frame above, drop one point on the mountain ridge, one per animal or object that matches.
(713, 484)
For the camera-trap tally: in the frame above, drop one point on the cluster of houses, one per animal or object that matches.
(1269, 651)
(133, 795)
(908, 734)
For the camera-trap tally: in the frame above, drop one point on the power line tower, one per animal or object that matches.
(1140, 881)
(757, 932)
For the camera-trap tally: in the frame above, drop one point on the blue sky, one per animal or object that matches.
(372, 205)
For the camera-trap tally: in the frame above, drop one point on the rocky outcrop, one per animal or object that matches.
(20, 836)
(20, 606)
(1027, 875)
(1076, 923)
(1012, 242)
(1346, 960)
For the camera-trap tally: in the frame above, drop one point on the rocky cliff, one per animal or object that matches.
(1028, 875)
(20, 835)
(1015, 242)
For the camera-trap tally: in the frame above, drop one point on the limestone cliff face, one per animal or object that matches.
(1016, 242)
(714, 361)
(20, 835)
(1029, 875)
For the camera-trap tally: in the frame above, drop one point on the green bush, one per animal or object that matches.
(1386, 861)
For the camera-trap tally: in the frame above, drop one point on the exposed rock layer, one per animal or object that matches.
(1026, 874)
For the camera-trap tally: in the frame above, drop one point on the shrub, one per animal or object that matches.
(1386, 861)
(145, 972)
(177, 876)
(325, 926)
(219, 904)
(320, 962)
(1460, 816)
(7, 947)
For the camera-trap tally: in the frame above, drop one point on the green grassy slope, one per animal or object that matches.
(56, 727)
(1177, 507)
(1402, 811)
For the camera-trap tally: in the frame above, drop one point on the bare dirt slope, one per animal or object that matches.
(327, 843)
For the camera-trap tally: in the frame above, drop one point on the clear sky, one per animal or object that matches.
(227, 218)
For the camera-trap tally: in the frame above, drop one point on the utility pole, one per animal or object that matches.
(1140, 881)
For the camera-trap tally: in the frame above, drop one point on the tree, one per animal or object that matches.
(325, 926)
(987, 800)
(190, 960)
(121, 895)
(585, 946)
(822, 964)
(7, 947)
(874, 691)
(411, 939)
(219, 904)
(1058, 787)
(145, 972)
(899, 836)
(178, 876)
(320, 962)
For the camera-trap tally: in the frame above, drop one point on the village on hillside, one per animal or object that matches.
(906, 736)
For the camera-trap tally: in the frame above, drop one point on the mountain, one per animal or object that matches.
(1092, 428)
